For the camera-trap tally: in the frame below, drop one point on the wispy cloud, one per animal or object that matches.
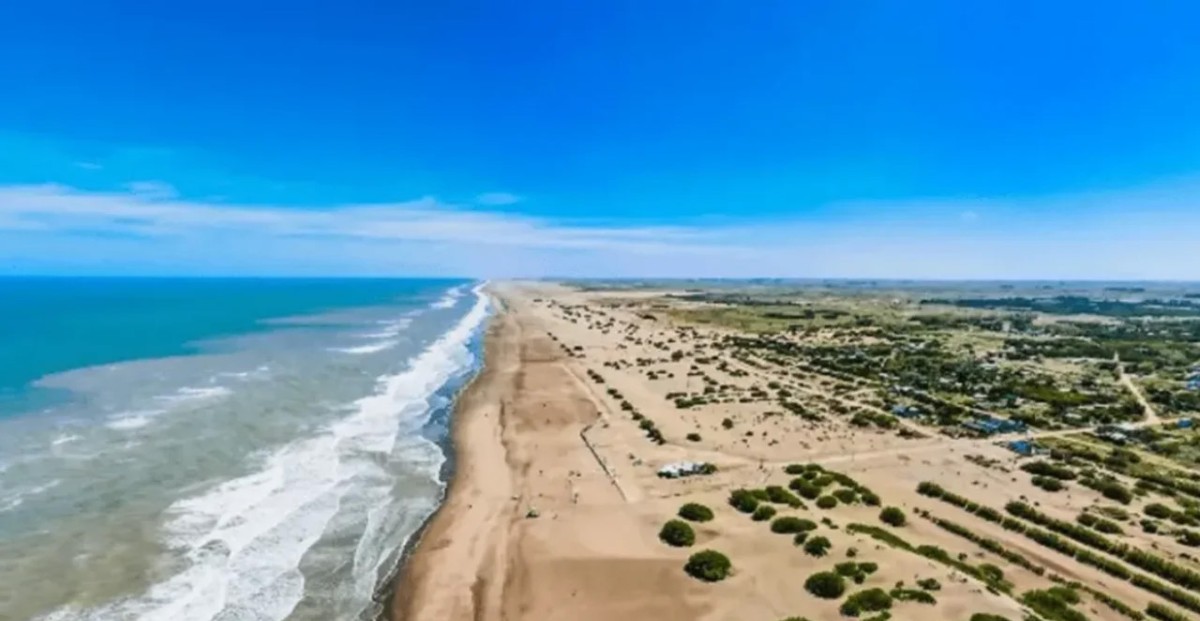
(1146, 233)
(89, 165)
(497, 199)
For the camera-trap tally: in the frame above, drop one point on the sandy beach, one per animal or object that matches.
(555, 506)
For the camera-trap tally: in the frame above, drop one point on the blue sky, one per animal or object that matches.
(874, 139)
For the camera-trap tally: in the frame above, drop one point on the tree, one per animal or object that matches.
(709, 566)
(677, 533)
(893, 516)
(695, 512)
(826, 585)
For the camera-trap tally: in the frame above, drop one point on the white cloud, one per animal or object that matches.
(1137, 234)
(497, 199)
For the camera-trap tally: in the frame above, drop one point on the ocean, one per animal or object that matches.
(240, 449)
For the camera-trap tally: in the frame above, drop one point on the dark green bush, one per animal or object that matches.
(805, 489)
(677, 533)
(709, 566)
(817, 546)
(743, 500)
(693, 437)
(789, 525)
(871, 499)
(846, 496)
(763, 513)
(827, 502)
(794, 469)
(800, 537)
(912, 595)
(1158, 510)
(779, 495)
(929, 584)
(695, 512)
(893, 516)
(983, 616)
(869, 600)
(826, 585)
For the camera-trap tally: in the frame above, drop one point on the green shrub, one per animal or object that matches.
(823, 480)
(846, 496)
(693, 437)
(1054, 604)
(763, 513)
(817, 546)
(778, 495)
(794, 469)
(709, 566)
(677, 533)
(929, 584)
(1158, 611)
(805, 489)
(912, 595)
(1158, 510)
(695, 512)
(869, 600)
(1050, 484)
(871, 499)
(847, 569)
(826, 585)
(893, 516)
(799, 538)
(983, 616)
(790, 525)
(827, 502)
(743, 500)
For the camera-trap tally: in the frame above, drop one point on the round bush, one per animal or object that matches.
(827, 502)
(799, 538)
(869, 600)
(677, 533)
(794, 469)
(871, 499)
(817, 546)
(846, 496)
(695, 512)
(790, 525)
(763, 513)
(893, 516)
(693, 437)
(826, 585)
(743, 501)
(709, 566)
(805, 489)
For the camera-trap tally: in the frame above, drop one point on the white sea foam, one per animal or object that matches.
(16, 498)
(243, 540)
(190, 393)
(63, 439)
(450, 298)
(127, 421)
(370, 348)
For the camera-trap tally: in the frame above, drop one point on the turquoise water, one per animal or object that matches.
(210, 450)
(49, 325)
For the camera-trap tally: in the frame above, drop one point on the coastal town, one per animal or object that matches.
(823, 452)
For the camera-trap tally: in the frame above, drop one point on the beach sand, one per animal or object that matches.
(587, 555)
(554, 508)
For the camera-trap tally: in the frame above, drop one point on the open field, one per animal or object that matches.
(853, 456)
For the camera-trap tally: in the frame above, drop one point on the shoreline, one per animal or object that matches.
(395, 595)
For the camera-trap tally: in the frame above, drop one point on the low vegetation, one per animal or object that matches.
(677, 533)
(709, 566)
